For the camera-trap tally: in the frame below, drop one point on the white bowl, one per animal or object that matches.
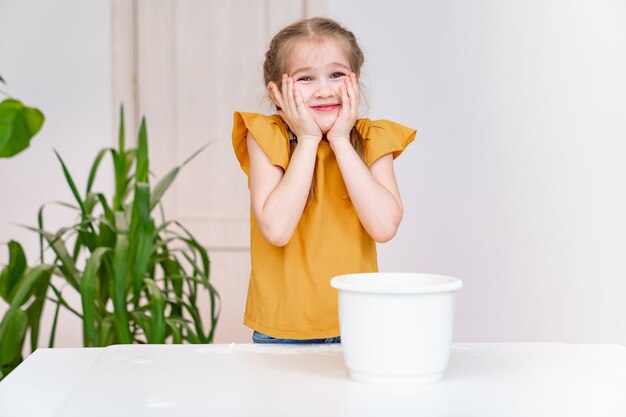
(396, 328)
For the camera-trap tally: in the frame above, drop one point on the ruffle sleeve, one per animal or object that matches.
(269, 132)
(383, 137)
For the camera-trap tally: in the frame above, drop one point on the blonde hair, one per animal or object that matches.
(316, 29)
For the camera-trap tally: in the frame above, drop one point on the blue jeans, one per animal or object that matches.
(261, 338)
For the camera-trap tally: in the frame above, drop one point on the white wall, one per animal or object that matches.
(54, 55)
(515, 183)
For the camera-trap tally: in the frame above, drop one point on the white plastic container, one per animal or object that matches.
(396, 328)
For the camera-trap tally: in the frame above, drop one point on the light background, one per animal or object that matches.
(515, 183)
(517, 180)
(54, 55)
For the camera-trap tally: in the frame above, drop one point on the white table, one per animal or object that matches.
(503, 379)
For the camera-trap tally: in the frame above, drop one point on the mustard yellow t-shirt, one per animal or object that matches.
(289, 294)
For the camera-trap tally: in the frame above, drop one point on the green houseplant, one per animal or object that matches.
(139, 280)
(18, 125)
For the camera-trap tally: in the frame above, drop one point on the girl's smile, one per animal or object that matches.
(327, 108)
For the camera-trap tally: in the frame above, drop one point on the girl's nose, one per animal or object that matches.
(324, 92)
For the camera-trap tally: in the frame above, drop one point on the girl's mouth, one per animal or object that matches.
(327, 108)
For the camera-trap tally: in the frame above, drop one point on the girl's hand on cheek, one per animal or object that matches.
(275, 95)
(294, 111)
(349, 112)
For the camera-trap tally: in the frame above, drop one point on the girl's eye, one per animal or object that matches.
(337, 75)
(304, 78)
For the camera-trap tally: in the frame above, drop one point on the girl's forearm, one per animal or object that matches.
(284, 205)
(379, 208)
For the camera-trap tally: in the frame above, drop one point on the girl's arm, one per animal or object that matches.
(374, 192)
(278, 197)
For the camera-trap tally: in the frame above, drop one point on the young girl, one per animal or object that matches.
(322, 185)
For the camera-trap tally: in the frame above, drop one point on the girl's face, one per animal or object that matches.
(318, 69)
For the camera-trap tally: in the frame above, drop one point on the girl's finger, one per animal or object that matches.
(275, 94)
(356, 94)
(291, 94)
(281, 113)
(345, 100)
(354, 84)
(285, 92)
(283, 116)
(351, 92)
(292, 91)
(284, 87)
(300, 106)
(303, 109)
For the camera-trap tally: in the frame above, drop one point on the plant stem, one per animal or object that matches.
(54, 326)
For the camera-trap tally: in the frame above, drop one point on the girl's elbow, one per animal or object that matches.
(274, 229)
(385, 232)
(278, 241)
(275, 236)
(384, 236)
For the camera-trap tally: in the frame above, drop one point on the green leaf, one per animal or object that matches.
(18, 125)
(131, 157)
(175, 329)
(122, 162)
(88, 296)
(70, 181)
(191, 336)
(86, 232)
(191, 241)
(120, 166)
(141, 235)
(36, 308)
(41, 225)
(162, 187)
(119, 181)
(172, 268)
(107, 233)
(141, 216)
(94, 168)
(143, 321)
(197, 320)
(121, 141)
(106, 335)
(12, 332)
(157, 307)
(12, 273)
(55, 320)
(66, 265)
(108, 213)
(142, 153)
(28, 284)
(143, 256)
(120, 268)
(107, 224)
